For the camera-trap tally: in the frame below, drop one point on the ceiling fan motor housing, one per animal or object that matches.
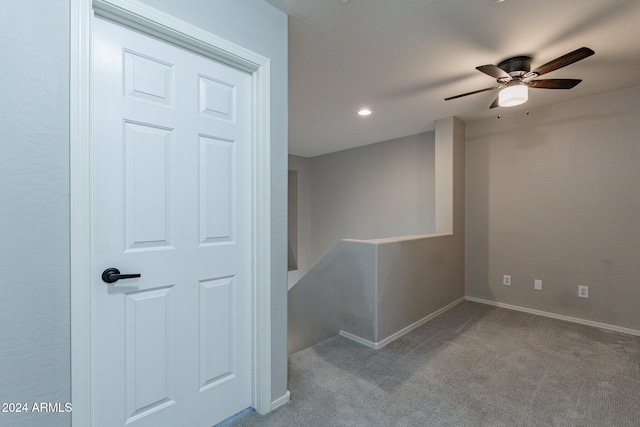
(516, 67)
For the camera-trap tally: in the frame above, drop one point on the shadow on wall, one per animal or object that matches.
(535, 129)
(498, 175)
(338, 293)
(553, 196)
(376, 290)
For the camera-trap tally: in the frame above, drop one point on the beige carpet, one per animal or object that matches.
(474, 365)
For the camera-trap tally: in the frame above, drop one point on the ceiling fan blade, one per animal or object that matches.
(471, 93)
(493, 71)
(495, 104)
(554, 83)
(564, 60)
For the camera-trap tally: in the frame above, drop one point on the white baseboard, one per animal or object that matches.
(358, 339)
(420, 322)
(556, 316)
(403, 331)
(281, 401)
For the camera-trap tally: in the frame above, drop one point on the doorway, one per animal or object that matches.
(85, 346)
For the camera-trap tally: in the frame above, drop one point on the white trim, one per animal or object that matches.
(144, 18)
(556, 316)
(261, 210)
(283, 400)
(401, 332)
(80, 212)
(358, 339)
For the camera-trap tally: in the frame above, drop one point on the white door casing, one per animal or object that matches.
(85, 346)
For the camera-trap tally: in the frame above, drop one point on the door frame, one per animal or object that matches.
(141, 17)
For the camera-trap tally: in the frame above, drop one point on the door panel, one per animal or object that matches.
(217, 331)
(148, 159)
(172, 202)
(217, 98)
(149, 330)
(217, 159)
(148, 78)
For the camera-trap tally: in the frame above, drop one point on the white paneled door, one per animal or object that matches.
(171, 202)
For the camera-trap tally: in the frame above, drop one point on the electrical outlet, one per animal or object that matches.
(583, 291)
(506, 280)
(537, 285)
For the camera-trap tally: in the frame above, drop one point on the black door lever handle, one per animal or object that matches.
(112, 275)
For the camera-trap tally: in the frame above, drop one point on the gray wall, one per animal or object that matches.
(338, 293)
(301, 166)
(376, 288)
(417, 277)
(379, 190)
(34, 205)
(556, 196)
(34, 192)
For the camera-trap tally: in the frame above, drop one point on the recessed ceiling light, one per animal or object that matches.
(364, 112)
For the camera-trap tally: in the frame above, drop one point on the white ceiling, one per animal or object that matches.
(401, 58)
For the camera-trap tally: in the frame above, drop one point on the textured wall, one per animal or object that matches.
(380, 190)
(555, 196)
(34, 209)
(417, 277)
(34, 192)
(338, 293)
(376, 288)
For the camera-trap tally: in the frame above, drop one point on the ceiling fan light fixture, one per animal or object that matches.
(514, 95)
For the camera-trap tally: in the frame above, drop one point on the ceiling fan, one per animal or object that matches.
(514, 77)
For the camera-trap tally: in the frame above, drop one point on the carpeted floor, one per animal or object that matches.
(474, 365)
